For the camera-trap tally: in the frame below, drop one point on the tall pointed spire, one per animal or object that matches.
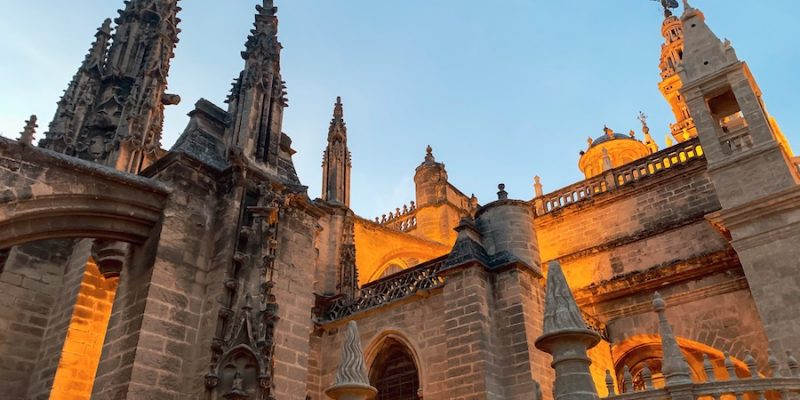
(113, 111)
(79, 96)
(336, 160)
(258, 96)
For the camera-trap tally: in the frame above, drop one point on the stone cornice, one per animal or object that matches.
(656, 277)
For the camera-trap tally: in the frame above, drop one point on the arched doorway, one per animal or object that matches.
(394, 372)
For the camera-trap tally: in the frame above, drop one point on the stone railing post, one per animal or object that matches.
(567, 338)
(674, 366)
(351, 381)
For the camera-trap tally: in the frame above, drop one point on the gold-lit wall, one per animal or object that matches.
(379, 247)
(85, 335)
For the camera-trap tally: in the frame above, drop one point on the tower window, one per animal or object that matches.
(726, 111)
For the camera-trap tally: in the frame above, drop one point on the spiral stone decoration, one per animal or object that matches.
(352, 369)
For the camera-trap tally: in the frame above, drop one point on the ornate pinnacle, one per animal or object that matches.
(351, 380)
(561, 313)
(501, 192)
(26, 136)
(268, 8)
(675, 368)
(429, 154)
(338, 110)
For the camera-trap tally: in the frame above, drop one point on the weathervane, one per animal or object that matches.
(668, 4)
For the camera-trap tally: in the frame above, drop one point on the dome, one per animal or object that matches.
(607, 138)
(610, 150)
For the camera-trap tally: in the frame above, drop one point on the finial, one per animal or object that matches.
(608, 131)
(610, 383)
(774, 366)
(501, 192)
(708, 368)
(632, 133)
(106, 27)
(668, 4)
(647, 376)
(752, 365)
(561, 311)
(674, 367)
(429, 154)
(338, 109)
(590, 141)
(26, 136)
(627, 380)
(537, 186)
(643, 119)
(351, 380)
(268, 8)
(729, 367)
(668, 140)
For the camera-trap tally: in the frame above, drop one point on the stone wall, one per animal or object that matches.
(30, 283)
(418, 323)
(49, 356)
(641, 225)
(473, 338)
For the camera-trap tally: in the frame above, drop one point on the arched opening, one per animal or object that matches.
(391, 269)
(641, 350)
(394, 373)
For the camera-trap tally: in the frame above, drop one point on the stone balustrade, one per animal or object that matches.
(736, 140)
(777, 386)
(402, 219)
(681, 154)
(401, 285)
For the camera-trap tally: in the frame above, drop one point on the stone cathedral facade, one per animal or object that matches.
(208, 271)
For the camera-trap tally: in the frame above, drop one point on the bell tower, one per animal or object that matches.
(753, 173)
(670, 85)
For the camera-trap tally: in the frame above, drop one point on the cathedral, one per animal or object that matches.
(208, 270)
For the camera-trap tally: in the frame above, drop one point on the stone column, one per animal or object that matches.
(567, 338)
(351, 381)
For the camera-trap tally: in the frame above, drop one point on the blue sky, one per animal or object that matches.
(502, 90)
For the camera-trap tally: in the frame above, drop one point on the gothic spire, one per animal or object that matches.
(258, 96)
(337, 130)
(336, 160)
(97, 54)
(80, 94)
(113, 111)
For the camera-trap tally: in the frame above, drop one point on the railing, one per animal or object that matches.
(387, 290)
(736, 140)
(403, 220)
(732, 387)
(654, 164)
